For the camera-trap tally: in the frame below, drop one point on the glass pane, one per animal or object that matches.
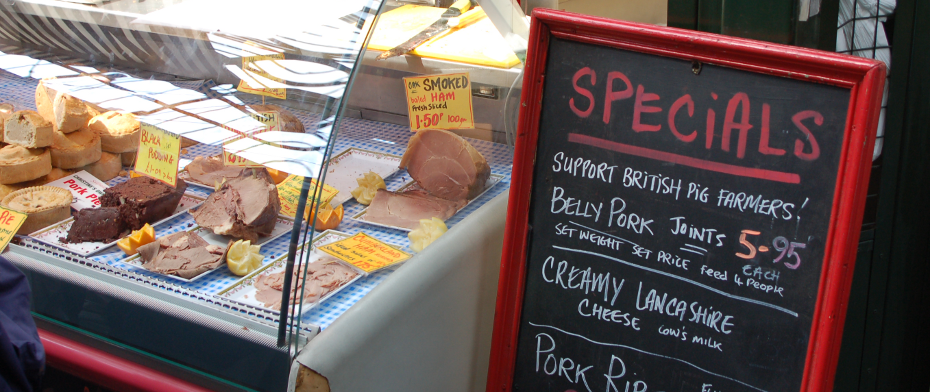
(261, 81)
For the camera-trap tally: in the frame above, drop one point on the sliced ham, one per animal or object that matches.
(323, 277)
(407, 208)
(184, 254)
(445, 165)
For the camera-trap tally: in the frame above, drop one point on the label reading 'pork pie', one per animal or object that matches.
(365, 252)
(10, 221)
(85, 189)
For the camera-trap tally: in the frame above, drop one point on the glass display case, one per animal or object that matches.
(282, 118)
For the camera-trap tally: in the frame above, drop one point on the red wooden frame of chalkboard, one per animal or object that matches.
(865, 79)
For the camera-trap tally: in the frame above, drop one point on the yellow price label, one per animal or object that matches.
(440, 101)
(365, 252)
(10, 222)
(247, 67)
(269, 119)
(289, 193)
(230, 159)
(158, 154)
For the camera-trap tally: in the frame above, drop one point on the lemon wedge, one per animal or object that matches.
(428, 231)
(131, 243)
(368, 185)
(243, 257)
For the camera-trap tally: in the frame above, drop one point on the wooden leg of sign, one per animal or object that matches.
(310, 381)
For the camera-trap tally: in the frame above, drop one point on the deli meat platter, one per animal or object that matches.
(327, 274)
(283, 226)
(493, 180)
(52, 235)
(343, 169)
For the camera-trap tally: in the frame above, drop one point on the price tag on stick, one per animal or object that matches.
(440, 102)
(254, 69)
(230, 159)
(269, 119)
(159, 151)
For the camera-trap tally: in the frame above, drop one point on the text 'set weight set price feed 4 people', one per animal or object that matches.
(676, 210)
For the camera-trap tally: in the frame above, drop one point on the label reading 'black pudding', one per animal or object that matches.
(678, 225)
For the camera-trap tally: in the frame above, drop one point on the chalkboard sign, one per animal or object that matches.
(684, 212)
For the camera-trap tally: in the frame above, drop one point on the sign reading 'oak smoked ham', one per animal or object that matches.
(677, 219)
(439, 102)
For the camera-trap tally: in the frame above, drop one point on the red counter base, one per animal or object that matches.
(107, 370)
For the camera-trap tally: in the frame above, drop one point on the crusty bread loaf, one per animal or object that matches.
(119, 131)
(28, 129)
(19, 164)
(71, 113)
(75, 149)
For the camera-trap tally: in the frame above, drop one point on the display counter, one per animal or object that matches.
(182, 293)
